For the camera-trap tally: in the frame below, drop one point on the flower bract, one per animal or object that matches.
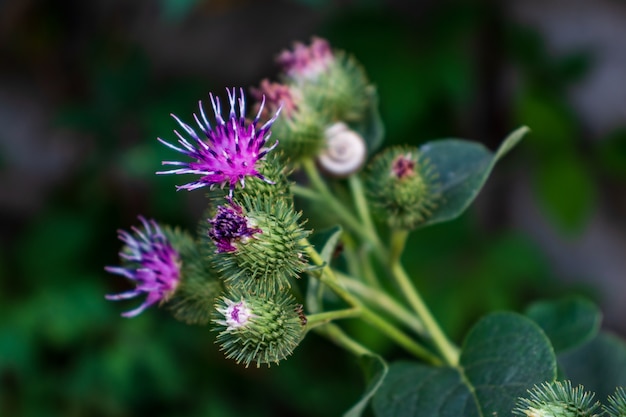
(150, 262)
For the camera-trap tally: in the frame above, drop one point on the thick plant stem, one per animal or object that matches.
(361, 203)
(448, 351)
(328, 278)
(336, 335)
(340, 210)
(385, 303)
(396, 245)
(319, 319)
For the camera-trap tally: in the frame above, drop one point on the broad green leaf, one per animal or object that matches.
(463, 168)
(599, 365)
(375, 369)
(503, 355)
(568, 322)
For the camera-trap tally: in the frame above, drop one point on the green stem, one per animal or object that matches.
(319, 319)
(305, 192)
(448, 351)
(385, 303)
(328, 278)
(340, 210)
(396, 245)
(336, 335)
(361, 203)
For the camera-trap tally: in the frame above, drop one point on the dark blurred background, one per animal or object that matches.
(86, 87)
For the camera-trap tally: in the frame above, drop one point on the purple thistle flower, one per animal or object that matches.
(307, 61)
(277, 96)
(229, 226)
(230, 150)
(151, 262)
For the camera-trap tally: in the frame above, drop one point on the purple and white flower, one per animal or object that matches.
(150, 262)
(230, 226)
(236, 314)
(226, 153)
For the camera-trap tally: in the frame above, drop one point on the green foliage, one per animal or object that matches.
(503, 355)
(375, 369)
(568, 322)
(557, 399)
(64, 350)
(599, 364)
(463, 168)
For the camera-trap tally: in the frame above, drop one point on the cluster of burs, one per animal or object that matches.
(238, 274)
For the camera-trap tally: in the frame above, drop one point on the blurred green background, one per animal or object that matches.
(86, 87)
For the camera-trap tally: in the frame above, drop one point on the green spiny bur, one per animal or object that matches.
(258, 328)
(557, 399)
(617, 404)
(341, 92)
(300, 135)
(272, 167)
(402, 187)
(265, 262)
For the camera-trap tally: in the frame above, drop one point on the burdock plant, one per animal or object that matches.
(258, 275)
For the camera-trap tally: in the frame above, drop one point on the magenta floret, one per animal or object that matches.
(228, 152)
(150, 262)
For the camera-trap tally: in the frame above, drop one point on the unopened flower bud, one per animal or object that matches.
(259, 329)
(300, 129)
(557, 399)
(402, 187)
(329, 81)
(259, 244)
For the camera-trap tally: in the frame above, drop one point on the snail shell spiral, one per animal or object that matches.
(344, 153)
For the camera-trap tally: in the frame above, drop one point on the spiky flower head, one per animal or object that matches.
(230, 226)
(332, 83)
(402, 187)
(306, 61)
(261, 329)
(300, 130)
(266, 249)
(617, 404)
(228, 152)
(150, 262)
(557, 399)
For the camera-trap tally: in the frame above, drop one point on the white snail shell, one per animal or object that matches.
(344, 153)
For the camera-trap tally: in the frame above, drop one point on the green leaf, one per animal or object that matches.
(503, 355)
(376, 370)
(599, 365)
(568, 322)
(463, 168)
